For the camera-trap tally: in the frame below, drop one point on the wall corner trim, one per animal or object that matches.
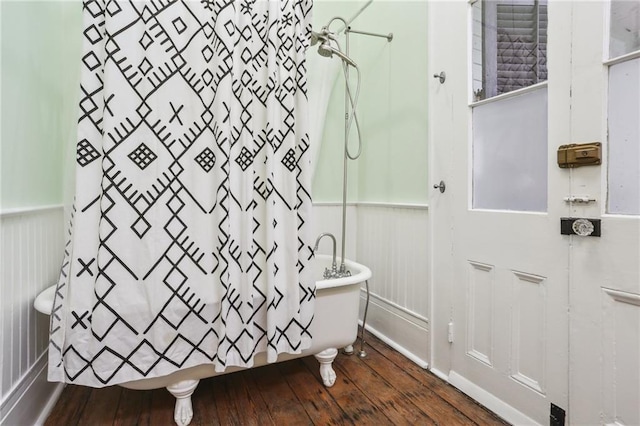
(417, 206)
(33, 398)
(21, 211)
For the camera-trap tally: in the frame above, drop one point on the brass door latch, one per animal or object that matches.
(577, 155)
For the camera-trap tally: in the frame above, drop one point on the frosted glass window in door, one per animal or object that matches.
(624, 138)
(624, 27)
(510, 153)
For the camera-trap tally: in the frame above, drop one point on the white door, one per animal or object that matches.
(509, 282)
(605, 271)
(542, 323)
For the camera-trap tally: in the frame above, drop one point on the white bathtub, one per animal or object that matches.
(335, 325)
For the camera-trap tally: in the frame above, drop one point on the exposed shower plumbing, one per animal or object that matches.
(328, 47)
(327, 39)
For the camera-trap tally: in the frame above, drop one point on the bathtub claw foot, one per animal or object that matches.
(183, 412)
(327, 374)
(183, 390)
(325, 358)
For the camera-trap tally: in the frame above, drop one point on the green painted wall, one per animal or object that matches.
(392, 107)
(40, 82)
(40, 65)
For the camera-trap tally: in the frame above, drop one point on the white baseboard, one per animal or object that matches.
(32, 399)
(494, 404)
(401, 329)
(439, 374)
(53, 399)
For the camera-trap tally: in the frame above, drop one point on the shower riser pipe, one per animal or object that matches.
(346, 155)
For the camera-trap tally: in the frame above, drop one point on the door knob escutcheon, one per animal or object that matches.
(441, 186)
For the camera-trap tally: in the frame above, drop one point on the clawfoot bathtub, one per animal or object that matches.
(335, 325)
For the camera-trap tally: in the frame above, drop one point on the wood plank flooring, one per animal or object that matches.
(383, 389)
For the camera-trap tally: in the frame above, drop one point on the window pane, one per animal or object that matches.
(625, 27)
(624, 137)
(509, 45)
(510, 153)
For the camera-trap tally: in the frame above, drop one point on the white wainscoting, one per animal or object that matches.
(31, 244)
(392, 240)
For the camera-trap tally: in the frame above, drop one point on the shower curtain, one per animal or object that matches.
(189, 241)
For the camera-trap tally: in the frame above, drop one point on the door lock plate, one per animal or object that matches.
(580, 226)
(577, 155)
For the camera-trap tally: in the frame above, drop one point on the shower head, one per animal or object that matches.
(326, 50)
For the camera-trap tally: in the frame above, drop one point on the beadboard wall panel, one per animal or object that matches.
(31, 247)
(392, 240)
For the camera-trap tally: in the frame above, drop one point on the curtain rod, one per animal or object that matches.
(350, 20)
(389, 36)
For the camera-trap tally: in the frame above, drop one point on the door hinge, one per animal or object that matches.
(556, 416)
(450, 332)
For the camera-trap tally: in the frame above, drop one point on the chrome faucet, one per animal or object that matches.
(333, 272)
(334, 267)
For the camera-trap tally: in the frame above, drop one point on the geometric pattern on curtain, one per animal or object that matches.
(190, 238)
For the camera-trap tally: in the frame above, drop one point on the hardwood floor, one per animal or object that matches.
(383, 389)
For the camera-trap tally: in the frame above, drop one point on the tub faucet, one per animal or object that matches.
(333, 273)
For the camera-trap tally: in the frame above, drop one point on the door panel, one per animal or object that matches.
(528, 329)
(509, 287)
(512, 269)
(621, 352)
(542, 318)
(605, 272)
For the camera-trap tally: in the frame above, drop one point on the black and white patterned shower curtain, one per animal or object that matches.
(190, 239)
